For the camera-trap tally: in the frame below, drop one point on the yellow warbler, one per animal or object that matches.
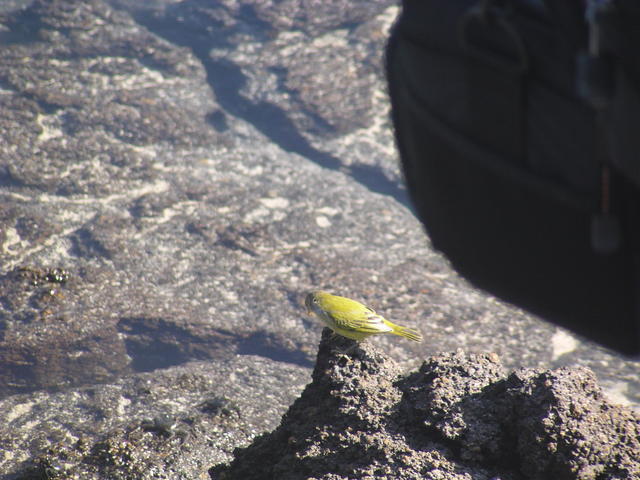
(353, 319)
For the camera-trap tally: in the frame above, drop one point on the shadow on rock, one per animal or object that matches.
(202, 26)
(154, 343)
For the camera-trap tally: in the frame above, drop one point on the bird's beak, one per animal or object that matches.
(307, 307)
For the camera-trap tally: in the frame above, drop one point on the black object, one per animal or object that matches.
(518, 125)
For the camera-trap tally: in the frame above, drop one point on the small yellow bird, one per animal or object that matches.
(353, 319)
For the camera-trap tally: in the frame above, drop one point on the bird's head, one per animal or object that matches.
(312, 300)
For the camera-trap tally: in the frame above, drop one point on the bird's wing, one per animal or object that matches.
(355, 319)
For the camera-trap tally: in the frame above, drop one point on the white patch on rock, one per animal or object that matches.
(256, 214)
(616, 393)
(328, 211)
(322, 221)
(18, 411)
(561, 343)
(277, 202)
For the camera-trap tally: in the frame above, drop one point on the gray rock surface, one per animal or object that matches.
(459, 417)
(172, 423)
(174, 176)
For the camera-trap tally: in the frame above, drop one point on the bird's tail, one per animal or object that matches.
(410, 333)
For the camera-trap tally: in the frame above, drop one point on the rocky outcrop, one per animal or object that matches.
(459, 417)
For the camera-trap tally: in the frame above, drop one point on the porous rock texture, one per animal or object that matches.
(459, 417)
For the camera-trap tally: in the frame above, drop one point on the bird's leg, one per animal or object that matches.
(349, 349)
